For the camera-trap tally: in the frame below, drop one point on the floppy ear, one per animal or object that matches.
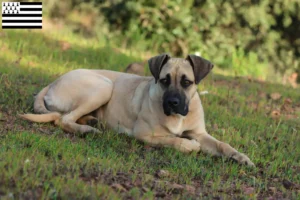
(156, 63)
(200, 66)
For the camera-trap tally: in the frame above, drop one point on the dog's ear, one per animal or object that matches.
(156, 63)
(200, 66)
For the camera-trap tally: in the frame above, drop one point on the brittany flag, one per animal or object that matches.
(22, 15)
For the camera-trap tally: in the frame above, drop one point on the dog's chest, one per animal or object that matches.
(175, 126)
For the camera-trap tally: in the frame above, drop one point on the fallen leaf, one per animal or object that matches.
(253, 105)
(118, 187)
(215, 127)
(32, 64)
(163, 173)
(275, 114)
(275, 96)
(146, 146)
(291, 116)
(145, 189)
(288, 101)
(65, 45)
(249, 190)
(242, 172)
(293, 79)
(189, 188)
(176, 188)
(286, 108)
(272, 189)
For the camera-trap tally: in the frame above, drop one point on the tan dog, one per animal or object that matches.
(165, 110)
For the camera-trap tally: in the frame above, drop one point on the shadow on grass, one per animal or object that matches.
(48, 49)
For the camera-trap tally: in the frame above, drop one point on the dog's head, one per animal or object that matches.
(178, 79)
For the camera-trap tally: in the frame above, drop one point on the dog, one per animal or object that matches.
(163, 110)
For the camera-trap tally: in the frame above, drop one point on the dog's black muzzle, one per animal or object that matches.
(174, 102)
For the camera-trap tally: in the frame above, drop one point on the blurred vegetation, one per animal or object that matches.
(260, 33)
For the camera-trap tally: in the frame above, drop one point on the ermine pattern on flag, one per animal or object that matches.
(19, 15)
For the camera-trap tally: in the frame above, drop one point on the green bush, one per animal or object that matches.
(267, 28)
(243, 65)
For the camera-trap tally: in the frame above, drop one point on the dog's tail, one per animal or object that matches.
(39, 107)
(49, 117)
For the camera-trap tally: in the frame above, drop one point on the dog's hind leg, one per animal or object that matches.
(91, 103)
(97, 94)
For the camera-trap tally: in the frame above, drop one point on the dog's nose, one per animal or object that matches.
(174, 102)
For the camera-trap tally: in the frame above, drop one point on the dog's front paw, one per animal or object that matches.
(243, 159)
(189, 145)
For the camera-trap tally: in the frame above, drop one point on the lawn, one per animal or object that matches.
(41, 161)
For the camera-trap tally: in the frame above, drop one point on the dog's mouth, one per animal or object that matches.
(171, 111)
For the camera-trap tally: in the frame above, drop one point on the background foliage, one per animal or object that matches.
(265, 31)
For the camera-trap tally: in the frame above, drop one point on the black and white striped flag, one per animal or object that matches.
(22, 15)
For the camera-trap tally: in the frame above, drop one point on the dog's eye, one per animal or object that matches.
(186, 83)
(164, 81)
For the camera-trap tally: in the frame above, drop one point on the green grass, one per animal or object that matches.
(42, 161)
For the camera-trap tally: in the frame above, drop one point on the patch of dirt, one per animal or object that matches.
(123, 182)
